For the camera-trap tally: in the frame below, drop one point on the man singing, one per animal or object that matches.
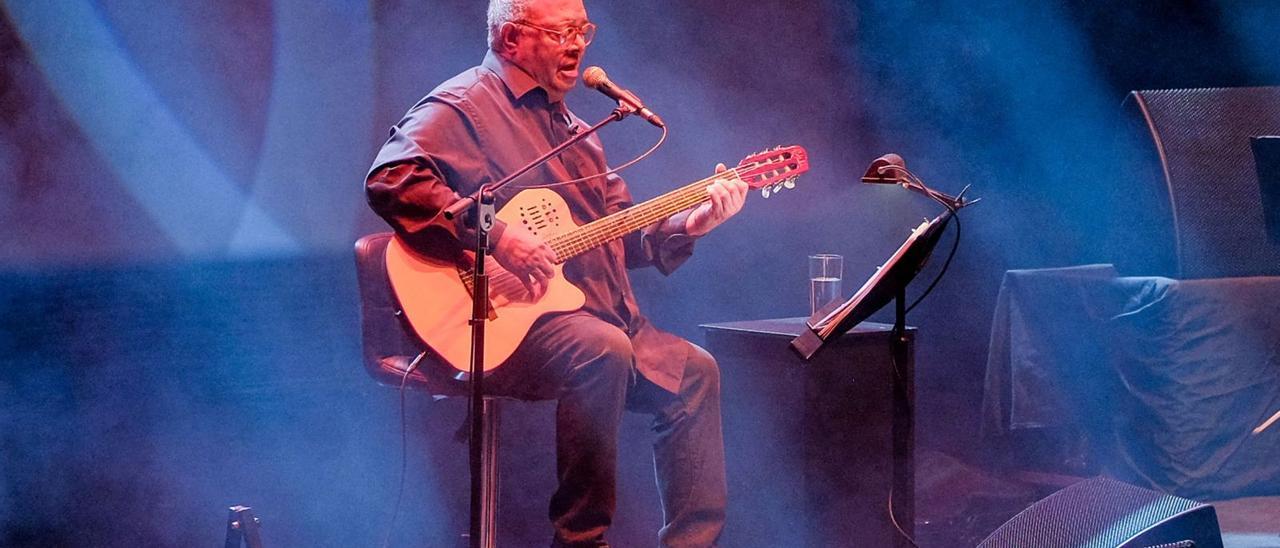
(597, 361)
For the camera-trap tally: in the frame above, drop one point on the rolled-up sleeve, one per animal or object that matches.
(408, 185)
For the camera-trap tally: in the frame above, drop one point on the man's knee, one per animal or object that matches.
(611, 344)
(701, 373)
(605, 351)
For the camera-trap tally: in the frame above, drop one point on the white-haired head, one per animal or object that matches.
(504, 11)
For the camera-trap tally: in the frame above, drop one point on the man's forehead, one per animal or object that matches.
(557, 11)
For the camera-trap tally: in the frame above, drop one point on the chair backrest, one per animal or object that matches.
(388, 345)
(1202, 137)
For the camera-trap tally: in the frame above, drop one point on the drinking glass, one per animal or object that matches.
(825, 272)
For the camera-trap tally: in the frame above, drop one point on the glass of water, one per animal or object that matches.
(825, 272)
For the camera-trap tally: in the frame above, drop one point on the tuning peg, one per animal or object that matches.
(764, 192)
(790, 182)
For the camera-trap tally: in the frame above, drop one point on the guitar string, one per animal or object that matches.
(605, 232)
(591, 237)
(582, 238)
(503, 282)
(592, 234)
(682, 199)
(679, 197)
(588, 235)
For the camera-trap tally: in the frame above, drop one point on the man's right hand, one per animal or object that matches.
(525, 254)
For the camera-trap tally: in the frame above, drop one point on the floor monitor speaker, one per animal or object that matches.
(1104, 513)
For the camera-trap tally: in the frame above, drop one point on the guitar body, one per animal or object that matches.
(437, 302)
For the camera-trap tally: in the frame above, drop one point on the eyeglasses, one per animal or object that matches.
(568, 34)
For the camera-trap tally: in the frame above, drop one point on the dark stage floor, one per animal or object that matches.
(137, 404)
(1251, 522)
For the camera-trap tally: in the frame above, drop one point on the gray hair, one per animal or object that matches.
(504, 11)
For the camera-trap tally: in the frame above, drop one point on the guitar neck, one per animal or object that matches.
(606, 229)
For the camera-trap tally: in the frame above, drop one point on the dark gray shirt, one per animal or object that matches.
(487, 122)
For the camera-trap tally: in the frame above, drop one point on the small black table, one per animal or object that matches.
(814, 448)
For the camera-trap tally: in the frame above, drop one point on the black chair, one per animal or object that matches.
(390, 350)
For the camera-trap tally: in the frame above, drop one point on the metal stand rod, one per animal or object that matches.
(479, 314)
(903, 418)
(489, 463)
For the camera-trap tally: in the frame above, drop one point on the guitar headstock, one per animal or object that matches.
(773, 170)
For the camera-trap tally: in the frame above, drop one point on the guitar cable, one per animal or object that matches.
(894, 519)
(893, 362)
(955, 244)
(404, 448)
(897, 373)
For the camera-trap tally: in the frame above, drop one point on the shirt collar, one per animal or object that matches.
(518, 82)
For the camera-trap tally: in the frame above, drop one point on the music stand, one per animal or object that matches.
(888, 283)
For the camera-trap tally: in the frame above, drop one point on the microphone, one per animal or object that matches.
(881, 170)
(594, 77)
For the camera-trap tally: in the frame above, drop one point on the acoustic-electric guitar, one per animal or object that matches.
(435, 295)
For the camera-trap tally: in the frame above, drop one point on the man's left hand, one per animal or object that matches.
(727, 197)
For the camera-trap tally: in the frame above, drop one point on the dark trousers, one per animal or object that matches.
(587, 365)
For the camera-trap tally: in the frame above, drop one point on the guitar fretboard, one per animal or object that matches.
(605, 229)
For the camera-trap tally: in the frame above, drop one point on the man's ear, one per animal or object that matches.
(508, 37)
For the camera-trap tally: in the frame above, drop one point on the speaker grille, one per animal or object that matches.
(1202, 137)
(1098, 512)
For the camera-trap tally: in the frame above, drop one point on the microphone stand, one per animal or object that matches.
(484, 496)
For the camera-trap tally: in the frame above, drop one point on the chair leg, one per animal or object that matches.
(489, 467)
